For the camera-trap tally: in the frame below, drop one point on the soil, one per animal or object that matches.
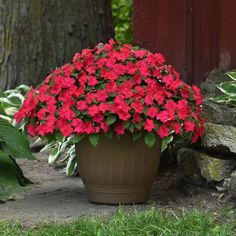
(56, 197)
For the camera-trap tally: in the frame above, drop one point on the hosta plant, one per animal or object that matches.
(228, 89)
(11, 101)
(12, 145)
(111, 90)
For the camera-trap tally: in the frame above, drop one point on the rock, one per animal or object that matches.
(198, 165)
(220, 139)
(214, 112)
(188, 163)
(232, 185)
(218, 113)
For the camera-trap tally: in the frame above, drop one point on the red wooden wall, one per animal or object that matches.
(194, 35)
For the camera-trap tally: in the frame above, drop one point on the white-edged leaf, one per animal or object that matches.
(72, 162)
(54, 155)
(228, 88)
(232, 75)
(165, 142)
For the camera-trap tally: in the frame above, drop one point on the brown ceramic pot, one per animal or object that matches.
(118, 171)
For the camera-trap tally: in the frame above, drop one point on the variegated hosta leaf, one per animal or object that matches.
(72, 163)
(228, 88)
(165, 142)
(232, 75)
(55, 154)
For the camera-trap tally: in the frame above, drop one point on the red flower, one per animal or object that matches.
(103, 107)
(81, 105)
(189, 126)
(149, 125)
(66, 113)
(131, 68)
(152, 112)
(163, 131)
(137, 79)
(185, 92)
(91, 69)
(90, 97)
(92, 81)
(98, 117)
(88, 128)
(140, 53)
(176, 127)
(136, 118)
(168, 79)
(101, 96)
(31, 130)
(93, 110)
(111, 87)
(163, 116)
(137, 106)
(183, 109)
(119, 129)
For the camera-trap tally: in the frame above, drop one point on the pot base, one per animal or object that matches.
(119, 195)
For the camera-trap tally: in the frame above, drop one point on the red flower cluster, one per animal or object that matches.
(116, 88)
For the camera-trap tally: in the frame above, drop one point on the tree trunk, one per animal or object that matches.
(38, 35)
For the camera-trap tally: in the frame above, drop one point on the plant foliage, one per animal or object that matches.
(13, 144)
(228, 90)
(121, 12)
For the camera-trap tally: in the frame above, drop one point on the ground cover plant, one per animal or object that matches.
(148, 222)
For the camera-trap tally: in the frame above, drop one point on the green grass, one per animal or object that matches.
(149, 222)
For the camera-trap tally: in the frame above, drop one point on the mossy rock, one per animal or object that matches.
(210, 168)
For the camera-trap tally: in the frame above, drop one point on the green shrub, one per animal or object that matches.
(121, 13)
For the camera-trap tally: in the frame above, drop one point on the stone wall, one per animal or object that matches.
(215, 161)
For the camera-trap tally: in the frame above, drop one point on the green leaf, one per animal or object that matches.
(232, 74)
(13, 142)
(138, 125)
(110, 119)
(8, 170)
(54, 155)
(77, 138)
(109, 134)
(150, 139)
(23, 89)
(227, 88)
(74, 74)
(131, 128)
(165, 142)
(71, 165)
(137, 136)
(94, 139)
(58, 136)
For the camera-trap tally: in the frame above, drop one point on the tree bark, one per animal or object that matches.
(38, 35)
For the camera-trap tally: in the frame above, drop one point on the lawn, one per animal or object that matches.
(148, 222)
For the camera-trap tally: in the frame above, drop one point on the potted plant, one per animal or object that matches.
(125, 101)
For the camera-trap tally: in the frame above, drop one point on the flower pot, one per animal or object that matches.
(118, 171)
